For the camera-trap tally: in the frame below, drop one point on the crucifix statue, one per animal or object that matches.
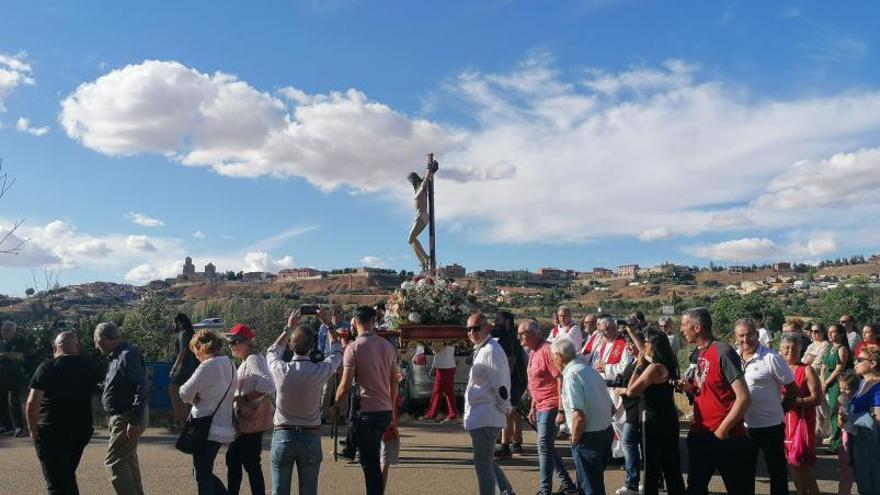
(424, 203)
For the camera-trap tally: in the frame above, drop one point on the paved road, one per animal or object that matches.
(435, 459)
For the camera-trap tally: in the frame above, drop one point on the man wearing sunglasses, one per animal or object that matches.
(487, 404)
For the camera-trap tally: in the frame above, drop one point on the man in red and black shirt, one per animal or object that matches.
(718, 438)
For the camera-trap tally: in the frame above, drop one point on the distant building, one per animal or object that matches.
(600, 272)
(874, 260)
(629, 271)
(191, 275)
(735, 269)
(551, 273)
(782, 266)
(255, 277)
(454, 271)
(188, 268)
(298, 273)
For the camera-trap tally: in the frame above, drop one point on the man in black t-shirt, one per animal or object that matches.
(14, 356)
(185, 364)
(59, 412)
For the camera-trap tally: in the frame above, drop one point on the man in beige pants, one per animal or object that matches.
(125, 401)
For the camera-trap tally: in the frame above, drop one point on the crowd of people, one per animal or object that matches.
(608, 386)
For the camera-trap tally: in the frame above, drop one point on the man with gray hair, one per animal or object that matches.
(59, 412)
(13, 353)
(566, 327)
(545, 382)
(125, 396)
(610, 357)
(588, 410)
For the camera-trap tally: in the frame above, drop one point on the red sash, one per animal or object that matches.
(591, 340)
(617, 350)
(555, 331)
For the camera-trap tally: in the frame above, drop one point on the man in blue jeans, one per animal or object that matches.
(487, 404)
(588, 411)
(545, 382)
(298, 384)
(374, 361)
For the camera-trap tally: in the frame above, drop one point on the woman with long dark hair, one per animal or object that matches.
(656, 369)
(185, 364)
(836, 362)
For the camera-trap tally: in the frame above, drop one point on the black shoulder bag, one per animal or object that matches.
(195, 432)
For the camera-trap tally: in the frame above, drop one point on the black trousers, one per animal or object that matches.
(203, 470)
(245, 452)
(59, 453)
(771, 441)
(662, 457)
(369, 427)
(11, 415)
(706, 453)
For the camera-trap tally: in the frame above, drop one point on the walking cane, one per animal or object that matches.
(334, 426)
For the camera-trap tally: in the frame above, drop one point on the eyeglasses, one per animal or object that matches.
(522, 335)
(474, 328)
(861, 359)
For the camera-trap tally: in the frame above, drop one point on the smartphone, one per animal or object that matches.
(308, 309)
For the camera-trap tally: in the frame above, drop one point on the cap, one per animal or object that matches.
(242, 331)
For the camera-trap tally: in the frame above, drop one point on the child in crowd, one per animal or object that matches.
(849, 385)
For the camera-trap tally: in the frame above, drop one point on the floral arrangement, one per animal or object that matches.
(427, 302)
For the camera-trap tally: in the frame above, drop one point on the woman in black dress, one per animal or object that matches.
(656, 370)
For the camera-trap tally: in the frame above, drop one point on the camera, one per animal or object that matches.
(628, 323)
(308, 309)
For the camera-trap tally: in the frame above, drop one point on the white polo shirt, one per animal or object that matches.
(766, 372)
(483, 404)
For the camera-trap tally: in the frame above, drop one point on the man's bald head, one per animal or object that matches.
(65, 343)
(302, 341)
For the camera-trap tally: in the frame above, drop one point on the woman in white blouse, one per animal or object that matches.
(254, 383)
(210, 389)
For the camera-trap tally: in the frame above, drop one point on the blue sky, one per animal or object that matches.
(570, 134)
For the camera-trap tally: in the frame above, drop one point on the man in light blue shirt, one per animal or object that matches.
(588, 411)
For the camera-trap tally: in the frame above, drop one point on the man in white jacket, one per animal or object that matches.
(487, 404)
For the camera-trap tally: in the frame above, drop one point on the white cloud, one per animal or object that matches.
(94, 248)
(373, 262)
(140, 243)
(144, 220)
(24, 125)
(655, 234)
(261, 261)
(791, 13)
(199, 234)
(68, 248)
(577, 156)
(218, 121)
(28, 254)
(763, 249)
(146, 272)
(847, 179)
(14, 72)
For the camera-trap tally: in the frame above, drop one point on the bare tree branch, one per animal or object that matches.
(6, 184)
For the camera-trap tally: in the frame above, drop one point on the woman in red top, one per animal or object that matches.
(870, 337)
(809, 393)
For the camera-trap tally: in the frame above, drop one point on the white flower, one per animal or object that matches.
(414, 317)
(408, 285)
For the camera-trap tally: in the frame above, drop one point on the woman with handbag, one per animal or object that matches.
(209, 390)
(800, 419)
(253, 412)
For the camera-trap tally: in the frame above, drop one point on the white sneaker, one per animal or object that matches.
(625, 491)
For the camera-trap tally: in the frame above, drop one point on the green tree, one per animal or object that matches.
(729, 307)
(860, 302)
(149, 326)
